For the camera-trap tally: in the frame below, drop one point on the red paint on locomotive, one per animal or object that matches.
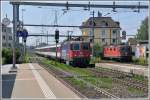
(76, 52)
(117, 51)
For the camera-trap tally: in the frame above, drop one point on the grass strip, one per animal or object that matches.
(105, 83)
(67, 68)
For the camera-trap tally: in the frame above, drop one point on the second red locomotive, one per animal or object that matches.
(119, 52)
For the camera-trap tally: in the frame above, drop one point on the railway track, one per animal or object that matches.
(66, 74)
(125, 63)
(58, 73)
(121, 78)
(117, 76)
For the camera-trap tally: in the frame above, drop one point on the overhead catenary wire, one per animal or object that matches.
(81, 10)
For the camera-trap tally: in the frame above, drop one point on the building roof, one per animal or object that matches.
(101, 22)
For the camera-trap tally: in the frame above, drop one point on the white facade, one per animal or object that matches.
(7, 38)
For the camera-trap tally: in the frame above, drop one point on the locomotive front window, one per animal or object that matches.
(76, 46)
(110, 49)
(114, 49)
(85, 46)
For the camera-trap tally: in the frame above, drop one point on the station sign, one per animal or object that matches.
(23, 33)
(19, 33)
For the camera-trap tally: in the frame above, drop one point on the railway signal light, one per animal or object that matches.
(57, 36)
(123, 34)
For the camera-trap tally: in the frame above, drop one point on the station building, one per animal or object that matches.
(106, 30)
(7, 39)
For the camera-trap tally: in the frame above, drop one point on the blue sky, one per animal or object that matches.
(129, 21)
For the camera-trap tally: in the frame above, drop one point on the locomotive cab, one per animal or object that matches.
(76, 52)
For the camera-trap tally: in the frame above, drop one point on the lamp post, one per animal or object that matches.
(15, 39)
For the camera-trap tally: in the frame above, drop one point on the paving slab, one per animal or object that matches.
(59, 89)
(136, 69)
(33, 82)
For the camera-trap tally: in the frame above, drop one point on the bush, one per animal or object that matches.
(141, 61)
(135, 60)
(26, 59)
(98, 50)
(95, 60)
(7, 55)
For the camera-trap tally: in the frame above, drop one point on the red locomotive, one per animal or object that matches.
(75, 52)
(119, 52)
(71, 52)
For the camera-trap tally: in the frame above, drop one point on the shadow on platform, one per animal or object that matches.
(8, 81)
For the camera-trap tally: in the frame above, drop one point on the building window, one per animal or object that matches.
(114, 32)
(114, 40)
(103, 40)
(104, 24)
(9, 30)
(4, 44)
(3, 29)
(103, 33)
(3, 37)
(10, 37)
(9, 44)
(90, 35)
(90, 23)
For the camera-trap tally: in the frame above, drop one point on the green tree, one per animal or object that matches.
(98, 50)
(143, 31)
(7, 55)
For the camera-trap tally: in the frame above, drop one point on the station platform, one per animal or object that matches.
(31, 81)
(135, 69)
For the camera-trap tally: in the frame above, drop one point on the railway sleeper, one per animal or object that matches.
(140, 87)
